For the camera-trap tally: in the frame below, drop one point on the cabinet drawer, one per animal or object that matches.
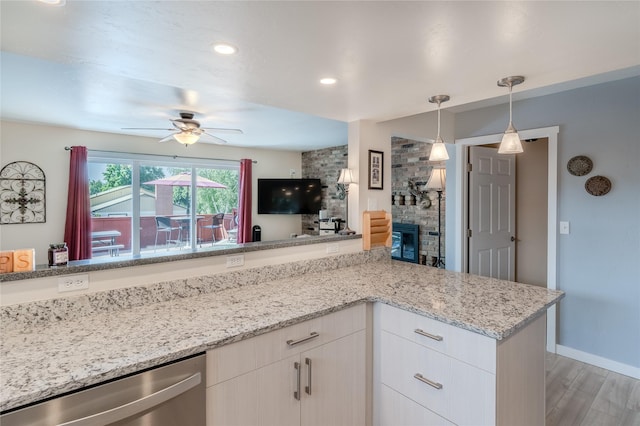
(398, 410)
(464, 345)
(232, 360)
(466, 394)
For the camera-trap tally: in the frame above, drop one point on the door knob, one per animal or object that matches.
(513, 238)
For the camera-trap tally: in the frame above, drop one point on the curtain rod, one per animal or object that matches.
(70, 148)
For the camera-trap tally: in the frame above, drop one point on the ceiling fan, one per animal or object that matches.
(187, 131)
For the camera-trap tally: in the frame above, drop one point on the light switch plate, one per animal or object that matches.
(564, 227)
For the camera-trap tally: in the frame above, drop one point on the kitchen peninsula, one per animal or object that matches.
(94, 339)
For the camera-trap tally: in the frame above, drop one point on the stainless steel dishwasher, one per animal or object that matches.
(173, 394)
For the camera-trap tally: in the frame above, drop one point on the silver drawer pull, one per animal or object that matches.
(427, 381)
(307, 388)
(304, 339)
(296, 393)
(429, 335)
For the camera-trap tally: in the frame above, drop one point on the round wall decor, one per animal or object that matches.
(580, 165)
(598, 185)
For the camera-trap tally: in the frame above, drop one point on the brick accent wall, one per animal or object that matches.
(324, 164)
(409, 160)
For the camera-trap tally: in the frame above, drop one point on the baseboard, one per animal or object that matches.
(598, 361)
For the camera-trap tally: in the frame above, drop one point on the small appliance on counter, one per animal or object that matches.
(329, 226)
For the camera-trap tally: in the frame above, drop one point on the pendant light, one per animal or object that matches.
(510, 140)
(438, 149)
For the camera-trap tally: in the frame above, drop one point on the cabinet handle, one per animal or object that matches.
(296, 393)
(429, 335)
(307, 388)
(427, 381)
(304, 339)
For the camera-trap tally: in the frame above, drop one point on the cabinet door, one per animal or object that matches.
(334, 384)
(263, 397)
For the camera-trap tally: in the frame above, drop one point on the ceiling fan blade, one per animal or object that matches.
(179, 125)
(215, 138)
(146, 128)
(222, 130)
(167, 139)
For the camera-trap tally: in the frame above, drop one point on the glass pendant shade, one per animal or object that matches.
(186, 138)
(437, 179)
(510, 142)
(438, 151)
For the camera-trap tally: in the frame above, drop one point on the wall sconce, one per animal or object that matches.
(422, 195)
(437, 183)
(438, 149)
(345, 179)
(510, 140)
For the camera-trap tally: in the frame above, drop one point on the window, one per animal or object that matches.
(144, 205)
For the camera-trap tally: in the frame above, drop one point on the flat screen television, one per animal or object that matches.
(289, 196)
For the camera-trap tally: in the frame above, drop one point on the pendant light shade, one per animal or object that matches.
(438, 149)
(510, 140)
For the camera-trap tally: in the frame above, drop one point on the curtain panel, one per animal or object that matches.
(244, 204)
(77, 229)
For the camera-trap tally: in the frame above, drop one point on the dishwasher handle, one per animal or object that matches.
(139, 405)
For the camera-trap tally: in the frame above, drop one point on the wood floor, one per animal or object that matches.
(581, 394)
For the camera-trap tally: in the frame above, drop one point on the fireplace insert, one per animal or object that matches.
(404, 245)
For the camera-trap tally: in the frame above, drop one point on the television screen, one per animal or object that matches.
(289, 196)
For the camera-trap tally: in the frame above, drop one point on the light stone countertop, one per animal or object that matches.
(38, 361)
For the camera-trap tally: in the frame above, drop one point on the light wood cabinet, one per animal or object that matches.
(432, 373)
(312, 373)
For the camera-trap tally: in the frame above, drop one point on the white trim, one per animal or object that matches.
(551, 133)
(598, 361)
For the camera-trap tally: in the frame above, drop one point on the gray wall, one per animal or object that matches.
(599, 261)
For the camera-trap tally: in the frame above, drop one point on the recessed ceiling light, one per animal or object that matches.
(224, 48)
(53, 2)
(328, 81)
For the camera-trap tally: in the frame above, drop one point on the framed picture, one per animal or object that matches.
(376, 159)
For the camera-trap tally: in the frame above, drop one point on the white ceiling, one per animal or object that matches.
(105, 65)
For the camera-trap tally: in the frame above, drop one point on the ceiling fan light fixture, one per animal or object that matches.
(510, 143)
(186, 138)
(438, 149)
(224, 48)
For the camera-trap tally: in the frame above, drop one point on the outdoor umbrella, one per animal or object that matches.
(184, 179)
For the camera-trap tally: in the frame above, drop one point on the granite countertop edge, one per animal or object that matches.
(287, 315)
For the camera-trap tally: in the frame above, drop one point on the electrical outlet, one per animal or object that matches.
(73, 283)
(235, 261)
(333, 248)
(292, 172)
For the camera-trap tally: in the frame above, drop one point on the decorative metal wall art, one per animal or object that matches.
(22, 193)
(580, 165)
(598, 186)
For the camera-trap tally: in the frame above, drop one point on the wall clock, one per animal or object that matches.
(22, 193)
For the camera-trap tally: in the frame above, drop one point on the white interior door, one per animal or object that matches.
(492, 183)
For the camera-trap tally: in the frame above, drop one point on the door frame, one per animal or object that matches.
(461, 199)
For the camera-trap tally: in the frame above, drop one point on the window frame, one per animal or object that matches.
(138, 160)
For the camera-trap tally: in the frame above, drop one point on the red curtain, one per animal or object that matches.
(77, 229)
(244, 206)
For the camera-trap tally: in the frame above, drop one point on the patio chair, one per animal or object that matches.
(233, 232)
(164, 225)
(217, 222)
